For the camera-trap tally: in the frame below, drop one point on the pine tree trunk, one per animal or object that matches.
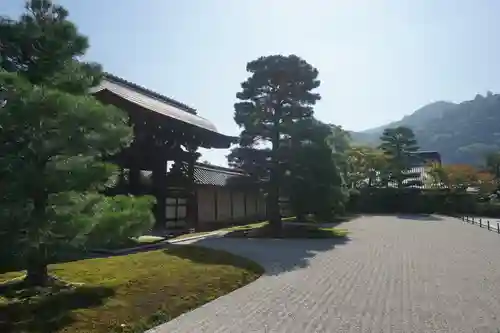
(274, 183)
(37, 274)
(274, 211)
(273, 204)
(36, 264)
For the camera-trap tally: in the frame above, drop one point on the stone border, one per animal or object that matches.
(154, 246)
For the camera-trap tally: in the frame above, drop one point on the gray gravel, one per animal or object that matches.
(394, 274)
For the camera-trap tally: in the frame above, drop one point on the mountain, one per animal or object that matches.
(461, 133)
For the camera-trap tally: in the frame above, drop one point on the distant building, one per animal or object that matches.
(422, 162)
(426, 158)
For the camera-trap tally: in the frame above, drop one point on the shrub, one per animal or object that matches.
(392, 200)
(488, 209)
(119, 220)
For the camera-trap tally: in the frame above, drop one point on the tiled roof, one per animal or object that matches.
(206, 174)
(422, 157)
(146, 91)
(152, 101)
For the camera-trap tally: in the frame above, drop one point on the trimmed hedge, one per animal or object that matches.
(415, 201)
(487, 209)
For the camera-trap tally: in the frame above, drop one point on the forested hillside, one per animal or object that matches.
(461, 133)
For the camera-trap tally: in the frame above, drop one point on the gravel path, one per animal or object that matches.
(394, 274)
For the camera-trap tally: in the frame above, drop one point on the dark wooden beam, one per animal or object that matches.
(159, 189)
(191, 204)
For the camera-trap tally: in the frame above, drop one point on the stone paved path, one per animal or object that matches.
(395, 274)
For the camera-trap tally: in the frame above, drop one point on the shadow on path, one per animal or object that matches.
(419, 217)
(277, 256)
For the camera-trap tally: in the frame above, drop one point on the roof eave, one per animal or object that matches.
(173, 102)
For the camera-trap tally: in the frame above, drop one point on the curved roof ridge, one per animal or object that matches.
(147, 100)
(151, 93)
(219, 168)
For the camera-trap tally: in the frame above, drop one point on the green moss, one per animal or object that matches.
(126, 293)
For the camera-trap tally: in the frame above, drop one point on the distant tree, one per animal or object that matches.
(54, 143)
(435, 175)
(457, 176)
(399, 145)
(378, 165)
(356, 172)
(367, 167)
(486, 183)
(340, 141)
(493, 165)
(277, 94)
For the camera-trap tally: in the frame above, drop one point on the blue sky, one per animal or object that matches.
(378, 60)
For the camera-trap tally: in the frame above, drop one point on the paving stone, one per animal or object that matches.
(394, 274)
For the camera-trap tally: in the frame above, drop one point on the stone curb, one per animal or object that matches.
(154, 246)
(215, 233)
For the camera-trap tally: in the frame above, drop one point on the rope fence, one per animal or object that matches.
(482, 223)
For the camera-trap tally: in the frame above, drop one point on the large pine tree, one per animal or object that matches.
(277, 94)
(400, 145)
(54, 141)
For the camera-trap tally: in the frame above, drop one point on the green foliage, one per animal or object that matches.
(277, 94)
(115, 219)
(493, 164)
(392, 200)
(42, 46)
(314, 182)
(340, 142)
(410, 200)
(399, 145)
(487, 209)
(54, 143)
(367, 167)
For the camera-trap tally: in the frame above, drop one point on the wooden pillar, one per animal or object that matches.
(129, 157)
(159, 188)
(134, 179)
(192, 198)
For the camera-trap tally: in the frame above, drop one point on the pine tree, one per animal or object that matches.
(399, 145)
(54, 143)
(277, 94)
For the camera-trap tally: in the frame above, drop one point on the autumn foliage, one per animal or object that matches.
(462, 176)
